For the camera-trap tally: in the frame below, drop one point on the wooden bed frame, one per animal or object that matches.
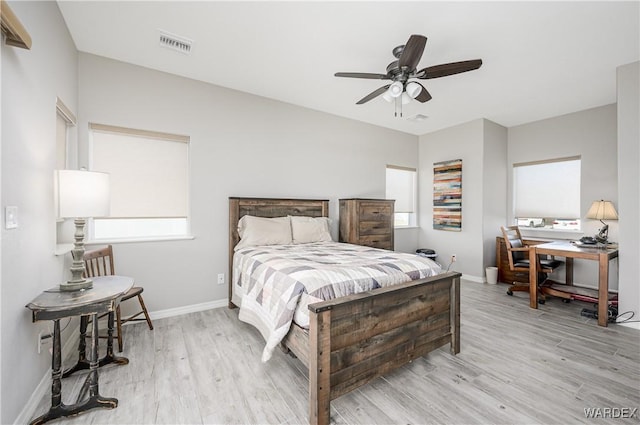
(355, 339)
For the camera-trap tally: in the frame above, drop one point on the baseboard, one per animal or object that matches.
(71, 346)
(633, 325)
(473, 278)
(194, 308)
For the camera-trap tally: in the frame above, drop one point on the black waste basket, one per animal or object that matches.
(426, 252)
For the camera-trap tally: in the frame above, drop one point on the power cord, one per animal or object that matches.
(628, 320)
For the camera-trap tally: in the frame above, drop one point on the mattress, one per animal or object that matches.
(273, 285)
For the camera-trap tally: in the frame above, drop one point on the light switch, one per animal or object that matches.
(10, 217)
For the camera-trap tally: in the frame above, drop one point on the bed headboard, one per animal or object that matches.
(268, 207)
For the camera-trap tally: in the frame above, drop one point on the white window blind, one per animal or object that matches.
(547, 188)
(149, 171)
(401, 186)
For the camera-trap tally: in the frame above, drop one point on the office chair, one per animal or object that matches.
(518, 255)
(99, 262)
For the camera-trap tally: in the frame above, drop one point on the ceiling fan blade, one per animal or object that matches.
(412, 52)
(362, 75)
(446, 69)
(373, 94)
(424, 95)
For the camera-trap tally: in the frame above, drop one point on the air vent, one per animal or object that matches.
(418, 117)
(175, 42)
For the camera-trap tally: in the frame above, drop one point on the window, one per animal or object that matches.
(402, 186)
(546, 194)
(149, 182)
(64, 120)
(65, 132)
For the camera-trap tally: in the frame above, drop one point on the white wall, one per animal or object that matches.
(494, 188)
(592, 135)
(482, 146)
(31, 81)
(464, 141)
(629, 187)
(241, 145)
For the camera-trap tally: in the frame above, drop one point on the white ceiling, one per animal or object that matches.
(540, 59)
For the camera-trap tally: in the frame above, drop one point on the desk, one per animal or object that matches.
(570, 252)
(54, 304)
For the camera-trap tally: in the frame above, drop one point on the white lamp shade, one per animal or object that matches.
(602, 210)
(413, 90)
(405, 98)
(82, 194)
(395, 89)
(387, 96)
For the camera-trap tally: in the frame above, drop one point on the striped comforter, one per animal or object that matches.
(272, 279)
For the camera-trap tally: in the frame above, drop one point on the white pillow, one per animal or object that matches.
(310, 229)
(256, 231)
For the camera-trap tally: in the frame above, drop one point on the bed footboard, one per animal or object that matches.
(355, 339)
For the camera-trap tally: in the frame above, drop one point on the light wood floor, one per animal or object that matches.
(516, 366)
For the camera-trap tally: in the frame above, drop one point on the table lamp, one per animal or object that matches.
(602, 210)
(80, 195)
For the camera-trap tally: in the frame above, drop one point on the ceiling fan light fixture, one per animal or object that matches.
(405, 98)
(387, 96)
(413, 90)
(396, 89)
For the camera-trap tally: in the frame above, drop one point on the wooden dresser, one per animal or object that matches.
(367, 222)
(502, 261)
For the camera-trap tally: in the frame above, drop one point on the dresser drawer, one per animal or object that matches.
(367, 222)
(374, 227)
(375, 212)
(377, 241)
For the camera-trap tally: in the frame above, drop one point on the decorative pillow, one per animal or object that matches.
(256, 231)
(310, 229)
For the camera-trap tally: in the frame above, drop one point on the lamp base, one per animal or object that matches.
(76, 286)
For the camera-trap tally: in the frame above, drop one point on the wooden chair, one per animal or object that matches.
(99, 262)
(518, 255)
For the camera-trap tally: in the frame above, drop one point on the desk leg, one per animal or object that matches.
(533, 278)
(603, 290)
(568, 275)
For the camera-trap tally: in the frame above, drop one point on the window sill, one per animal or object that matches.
(142, 239)
(405, 227)
(64, 248)
(552, 233)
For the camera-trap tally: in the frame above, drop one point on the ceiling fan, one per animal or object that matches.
(402, 70)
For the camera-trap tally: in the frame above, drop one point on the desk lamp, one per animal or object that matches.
(602, 210)
(80, 195)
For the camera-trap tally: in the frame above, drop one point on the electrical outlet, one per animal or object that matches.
(453, 258)
(220, 278)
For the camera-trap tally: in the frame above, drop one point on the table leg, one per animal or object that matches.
(110, 357)
(59, 409)
(91, 383)
(83, 362)
(603, 290)
(533, 278)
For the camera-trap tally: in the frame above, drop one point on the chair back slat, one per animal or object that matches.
(513, 239)
(99, 262)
